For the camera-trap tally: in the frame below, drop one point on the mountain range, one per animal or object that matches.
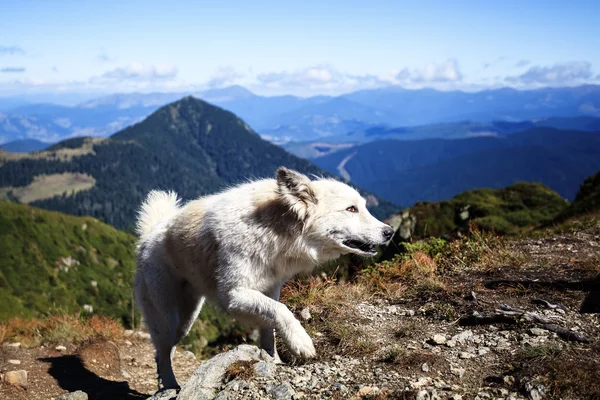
(189, 146)
(406, 172)
(283, 119)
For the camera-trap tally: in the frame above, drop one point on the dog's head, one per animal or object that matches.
(335, 215)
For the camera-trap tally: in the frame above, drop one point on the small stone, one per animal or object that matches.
(457, 371)
(410, 313)
(438, 339)
(483, 351)
(451, 343)
(18, 378)
(264, 369)
(60, 348)
(305, 314)
(422, 395)
(142, 335)
(14, 362)
(423, 381)
(189, 355)
(128, 343)
(425, 367)
(456, 397)
(463, 337)
(538, 332)
(15, 345)
(365, 391)
(281, 392)
(78, 395)
(125, 374)
(128, 332)
(509, 380)
(465, 356)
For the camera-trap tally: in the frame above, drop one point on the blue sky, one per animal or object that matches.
(299, 47)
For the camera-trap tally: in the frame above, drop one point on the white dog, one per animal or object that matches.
(237, 248)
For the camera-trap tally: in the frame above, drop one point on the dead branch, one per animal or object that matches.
(586, 286)
(549, 305)
(566, 334)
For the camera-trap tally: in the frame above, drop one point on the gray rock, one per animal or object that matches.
(18, 378)
(457, 371)
(539, 332)
(170, 394)
(209, 376)
(78, 395)
(425, 367)
(305, 314)
(438, 339)
(281, 392)
(265, 369)
(189, 355)
(422, 395)
(463, 337)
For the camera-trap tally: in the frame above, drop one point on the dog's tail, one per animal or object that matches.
(158, 206)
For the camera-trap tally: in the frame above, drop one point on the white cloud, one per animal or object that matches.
(447, 71)
(224, 76)
(568, 73)
(14, 70)
(138, 72)
(323, 78)
(11, 50)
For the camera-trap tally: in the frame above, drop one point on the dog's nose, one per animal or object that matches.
(388, 232)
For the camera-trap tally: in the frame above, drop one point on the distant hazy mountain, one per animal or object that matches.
(427, 106)
(409, 171)
(24, 146)
(452, 130)
(290, 118)
(189, 146)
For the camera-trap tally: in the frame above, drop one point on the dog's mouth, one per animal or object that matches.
(366, 248)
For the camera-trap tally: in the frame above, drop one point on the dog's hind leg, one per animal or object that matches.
(190, 305)
(159, 306)
(267, 335)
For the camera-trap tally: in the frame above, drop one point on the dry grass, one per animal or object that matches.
(566, 373)
(416, 272)
(318, 292)
(48, 186)
(240, 369)
(59, 329)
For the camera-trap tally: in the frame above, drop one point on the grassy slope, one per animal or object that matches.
(504, 211)
(35, 245)
(587, 200)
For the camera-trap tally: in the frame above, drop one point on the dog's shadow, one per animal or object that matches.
(72, 375)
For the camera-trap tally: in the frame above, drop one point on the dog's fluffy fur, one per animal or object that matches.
(237, 248)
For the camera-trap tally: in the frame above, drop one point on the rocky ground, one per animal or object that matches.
(504, 326)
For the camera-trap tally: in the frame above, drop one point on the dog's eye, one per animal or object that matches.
(352, 209)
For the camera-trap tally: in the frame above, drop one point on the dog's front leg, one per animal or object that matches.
(253, 307)
(267, 335)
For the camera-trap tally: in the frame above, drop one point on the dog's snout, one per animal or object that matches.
(388, 232)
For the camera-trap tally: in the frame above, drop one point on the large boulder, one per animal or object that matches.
(211, 374)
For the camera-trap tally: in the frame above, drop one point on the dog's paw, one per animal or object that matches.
(300, 344)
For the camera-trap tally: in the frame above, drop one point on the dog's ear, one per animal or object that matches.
(296, 189)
